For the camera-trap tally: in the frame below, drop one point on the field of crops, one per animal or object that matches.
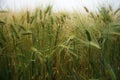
(44, 45)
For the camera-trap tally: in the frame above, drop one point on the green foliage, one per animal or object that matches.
(43, 45)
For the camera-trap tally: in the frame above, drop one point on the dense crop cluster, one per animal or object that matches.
(43, 45)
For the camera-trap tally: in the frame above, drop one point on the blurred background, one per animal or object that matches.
(58, 5)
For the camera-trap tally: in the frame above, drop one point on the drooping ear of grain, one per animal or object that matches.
(13, 17)
(88, 35)
(86, 9)
(92, 15)
(40, 14)
(116, 11)
(110, 8)
(2, 23)
(28, 16)
(15, 31)
(48, 10)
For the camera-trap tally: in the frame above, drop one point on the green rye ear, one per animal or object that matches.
(88, 35)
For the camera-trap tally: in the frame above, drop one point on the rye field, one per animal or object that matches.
(44, 45)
